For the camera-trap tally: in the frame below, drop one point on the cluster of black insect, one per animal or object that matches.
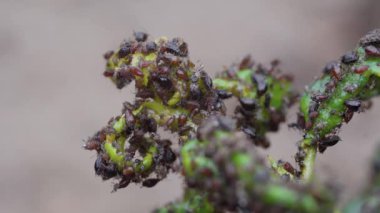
(138, 146)
(326, 90)
(231, 184)
(223, 188)
(256, 116)
(181, 96)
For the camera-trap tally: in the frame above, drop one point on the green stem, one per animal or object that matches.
(332, 100)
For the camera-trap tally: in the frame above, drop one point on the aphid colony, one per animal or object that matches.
(264, 95)
(173, 94)
(344, 88)
(170, 93)
(222, 163)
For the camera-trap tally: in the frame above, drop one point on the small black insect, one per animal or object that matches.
(261, 84)
(150, 182)
(125, 49)
(104, 170)
(124, 182)
(169, 156)
(177, 47)
(140, 36)
(353, 105)
(151, 125)
(349, 58)
(372, 38)
(293, 125)
(329, 141)
(207, 80)
(224, 94)
(195, 92)
(330, 67)
(151, 46)
(164, 82)
(267, 100)
(248, 103)
(321, 149)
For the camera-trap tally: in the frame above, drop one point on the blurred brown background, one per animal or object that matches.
(53, 94)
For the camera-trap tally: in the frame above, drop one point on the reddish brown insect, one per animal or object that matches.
(246, 62)
(348, 115)
(313, 115)
(372, 51)
(108, 73)
(360, 69)
(135, 71)
(182, 120)
(91, 145)
(289, 168)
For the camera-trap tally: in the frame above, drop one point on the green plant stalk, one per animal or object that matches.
(352, 84)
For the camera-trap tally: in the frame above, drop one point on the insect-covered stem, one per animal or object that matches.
(333, 98)
(233, 177)
(264, 94)
(171, 93)
(175, 95)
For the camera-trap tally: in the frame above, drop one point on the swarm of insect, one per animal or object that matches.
(335, 97)
(171, 93)
(233, 177)
(174, 94)
(264, 94)
(216, 156)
